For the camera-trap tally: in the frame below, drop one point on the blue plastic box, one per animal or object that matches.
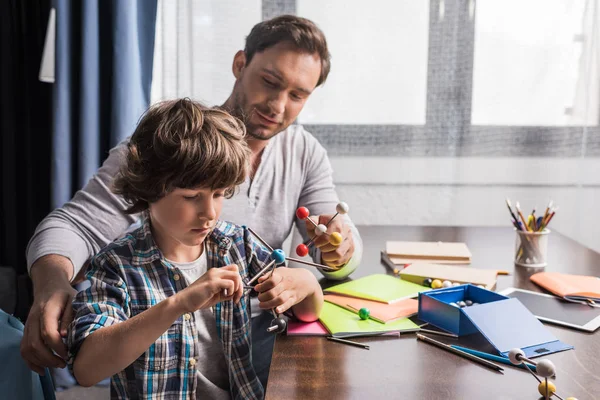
(503, 321)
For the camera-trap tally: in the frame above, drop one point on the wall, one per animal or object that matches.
(416, 191)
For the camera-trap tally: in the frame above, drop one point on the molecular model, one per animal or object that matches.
(278, 324)
(544, 368)
(320, 229)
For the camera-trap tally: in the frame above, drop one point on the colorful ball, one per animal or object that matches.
(278, 255)
(436, 284)
(364, 313)
(302, 213)
(342, 208)
(320, 229)
(542, 388)
(302, 250)
(427, 282)
(545, 368)
(335, 239)
(278, 325)
(515, 356)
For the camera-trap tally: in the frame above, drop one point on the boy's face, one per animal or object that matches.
(185, 217)
(272, 89)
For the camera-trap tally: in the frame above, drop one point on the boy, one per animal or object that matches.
(166, 315)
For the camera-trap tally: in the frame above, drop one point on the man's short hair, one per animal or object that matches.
(182, 144)
(302, 32)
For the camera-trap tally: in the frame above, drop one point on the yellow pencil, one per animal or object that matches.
(522, 217)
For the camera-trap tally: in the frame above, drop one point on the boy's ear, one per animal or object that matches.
(239, 63)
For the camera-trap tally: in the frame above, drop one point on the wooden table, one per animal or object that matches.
(404, 368)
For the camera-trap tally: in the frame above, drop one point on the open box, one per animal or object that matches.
(503, 321)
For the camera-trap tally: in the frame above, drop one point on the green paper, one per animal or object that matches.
(379, 287)
(343, 323)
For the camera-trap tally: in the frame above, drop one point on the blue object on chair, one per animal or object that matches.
(15, 376)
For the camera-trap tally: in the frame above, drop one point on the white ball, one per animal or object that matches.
(342, 208)
(469, 302)
(320, 229)
(514, 355)
(456, 284)
(545, 368)
(446, 284)
(461, 304)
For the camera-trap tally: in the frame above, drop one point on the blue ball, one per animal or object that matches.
(278, 255)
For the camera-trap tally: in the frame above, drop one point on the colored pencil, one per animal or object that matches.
(491, 357)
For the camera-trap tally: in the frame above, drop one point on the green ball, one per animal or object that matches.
(364, 313)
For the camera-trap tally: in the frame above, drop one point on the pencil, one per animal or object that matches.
(350, 342)
(385, 259)
(522, 217)
(461, 353)
(452, 335)
(492, 357)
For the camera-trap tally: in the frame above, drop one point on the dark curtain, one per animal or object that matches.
(25, 129)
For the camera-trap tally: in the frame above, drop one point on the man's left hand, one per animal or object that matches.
(332, 255)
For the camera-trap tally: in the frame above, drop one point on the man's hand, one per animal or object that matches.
(50, 314)
(332, 255)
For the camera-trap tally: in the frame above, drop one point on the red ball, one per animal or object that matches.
(302, 250)
(302, 212)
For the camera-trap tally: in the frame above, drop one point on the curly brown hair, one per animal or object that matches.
(302, 32)
(182, 144)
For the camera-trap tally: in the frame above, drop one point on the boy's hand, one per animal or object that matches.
(331, 255)
(285, 288)
(215, 286)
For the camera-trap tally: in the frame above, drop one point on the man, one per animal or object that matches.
(284, 60)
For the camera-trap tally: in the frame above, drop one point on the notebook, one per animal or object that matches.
(570, 287)
(379, 287)
(343, 323)
(417, 273)
(299, 328)
(400, 252)
(380, 312)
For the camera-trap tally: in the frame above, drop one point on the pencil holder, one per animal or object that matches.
(531, 248)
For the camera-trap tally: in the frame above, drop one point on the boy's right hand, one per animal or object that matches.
(211, 287)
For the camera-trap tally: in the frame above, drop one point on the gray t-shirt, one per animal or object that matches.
(212, 374)
(294, 171)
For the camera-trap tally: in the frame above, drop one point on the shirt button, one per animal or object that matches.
(176, 277)
(192, 361)
(187, 317)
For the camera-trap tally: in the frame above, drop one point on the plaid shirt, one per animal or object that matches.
(130, 275)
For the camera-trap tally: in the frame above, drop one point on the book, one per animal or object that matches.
(378, 287)
(343, 323)
(408, 252)
(417, 273)
(299, 328)
(579, 288)
(380, 312)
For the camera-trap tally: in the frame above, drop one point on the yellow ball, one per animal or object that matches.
(335, 239)
(436, 284)
(570, 398)
(542, 388)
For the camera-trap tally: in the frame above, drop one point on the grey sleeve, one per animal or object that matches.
(93, 218)
(319, 196)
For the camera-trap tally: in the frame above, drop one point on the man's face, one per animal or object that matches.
(271, 90)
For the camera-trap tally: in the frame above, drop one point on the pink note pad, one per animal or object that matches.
(297, 328)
